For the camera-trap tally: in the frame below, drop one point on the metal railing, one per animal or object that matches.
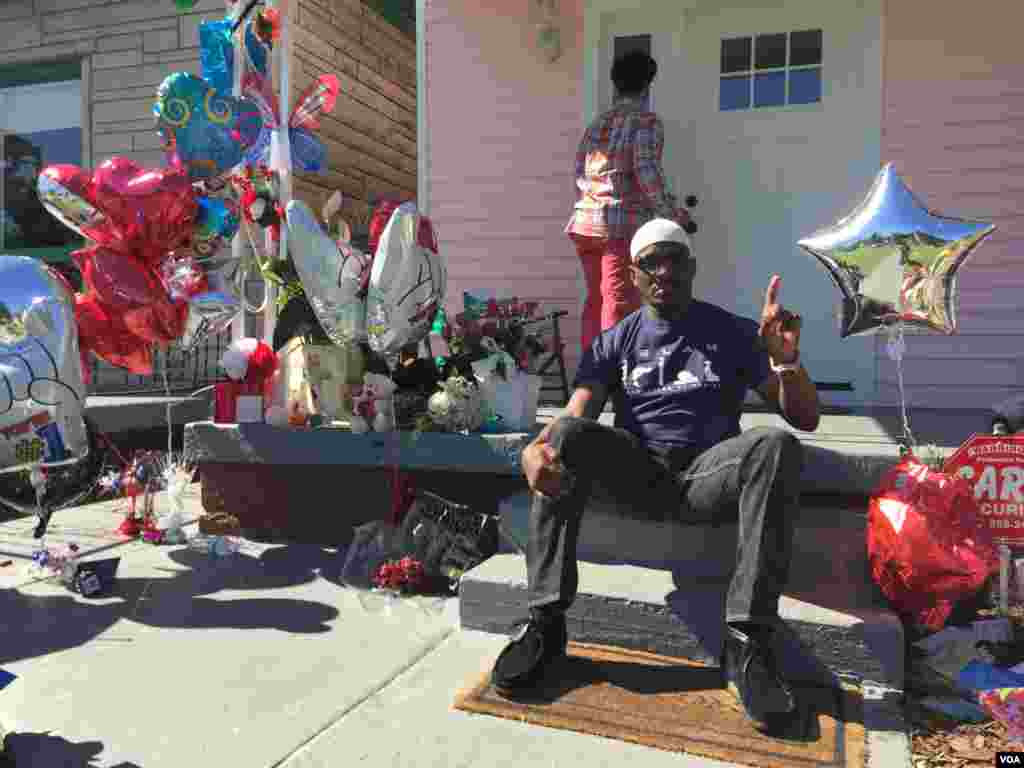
(186, 371)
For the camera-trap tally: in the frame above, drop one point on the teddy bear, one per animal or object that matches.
(372, 407)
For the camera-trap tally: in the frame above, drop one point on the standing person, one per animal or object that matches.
(678, 370)
(620, 185)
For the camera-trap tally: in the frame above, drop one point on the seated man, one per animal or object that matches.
(1008, 416)
(678, 371)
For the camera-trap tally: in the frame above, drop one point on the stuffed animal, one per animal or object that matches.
(458, 406)
(373, 407)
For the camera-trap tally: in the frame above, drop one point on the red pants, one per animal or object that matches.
(611, 294)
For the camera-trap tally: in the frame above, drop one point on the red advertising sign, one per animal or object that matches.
(993, 465)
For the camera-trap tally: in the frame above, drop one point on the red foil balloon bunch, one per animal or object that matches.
(134, 217)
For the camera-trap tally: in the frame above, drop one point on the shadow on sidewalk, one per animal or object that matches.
(180, 596)
(42, 749)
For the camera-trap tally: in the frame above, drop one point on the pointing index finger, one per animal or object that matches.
(772, 294)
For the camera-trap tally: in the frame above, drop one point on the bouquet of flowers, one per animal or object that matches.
(404, 576)
(486, 328)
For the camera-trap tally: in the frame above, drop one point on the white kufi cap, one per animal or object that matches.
(658, 231)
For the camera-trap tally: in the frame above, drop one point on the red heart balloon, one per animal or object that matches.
(119, 281)
(135, 216)
(151, 211)
(132, 292)
(66, 193)
(161, 322)
(106, 336)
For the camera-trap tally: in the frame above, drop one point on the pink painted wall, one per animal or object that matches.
(953, 124)
(503, 127)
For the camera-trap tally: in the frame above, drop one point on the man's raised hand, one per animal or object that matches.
(780, 328)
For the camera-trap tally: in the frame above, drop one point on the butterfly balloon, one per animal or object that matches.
(408, 283)
(331, 273)
(308, 153)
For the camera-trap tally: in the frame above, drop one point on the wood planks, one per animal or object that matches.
(371, 136)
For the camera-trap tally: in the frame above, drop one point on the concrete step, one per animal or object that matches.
(849, 453)
(661, 587)
(126, 413)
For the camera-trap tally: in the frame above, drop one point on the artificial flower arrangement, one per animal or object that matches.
(488, 338)
(486, 328)
(405, 576)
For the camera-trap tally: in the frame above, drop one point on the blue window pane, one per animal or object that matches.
(23, 221)
(805, 86)
(63, 145)
(734, 93)
(770, 89)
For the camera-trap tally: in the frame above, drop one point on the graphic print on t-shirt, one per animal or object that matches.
(675, 367)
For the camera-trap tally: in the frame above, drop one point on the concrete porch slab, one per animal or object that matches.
(129, 413)
(847, 455)
(661, 587)
(428, 451)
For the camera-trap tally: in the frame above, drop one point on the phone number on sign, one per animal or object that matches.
(1006, 523)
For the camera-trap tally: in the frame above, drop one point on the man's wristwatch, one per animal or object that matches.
(785, 367)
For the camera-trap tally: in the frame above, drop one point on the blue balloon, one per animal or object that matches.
(215, 224)
(256, 50)
(204, 131)
(217, 54)
(308, 152)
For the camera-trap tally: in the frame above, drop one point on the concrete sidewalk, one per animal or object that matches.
(256, 659)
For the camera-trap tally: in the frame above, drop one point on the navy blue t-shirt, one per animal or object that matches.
(678, 385)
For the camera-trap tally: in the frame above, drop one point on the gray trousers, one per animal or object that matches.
(752, 479)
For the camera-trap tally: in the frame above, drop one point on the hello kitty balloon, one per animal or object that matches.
(407, 283)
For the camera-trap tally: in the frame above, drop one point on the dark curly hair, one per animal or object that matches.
(632, 72)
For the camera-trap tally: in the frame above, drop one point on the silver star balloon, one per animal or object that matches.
(896, 261)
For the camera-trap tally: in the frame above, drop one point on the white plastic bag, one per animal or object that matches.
(513, 399)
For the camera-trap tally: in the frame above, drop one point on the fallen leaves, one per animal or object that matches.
(938, 742)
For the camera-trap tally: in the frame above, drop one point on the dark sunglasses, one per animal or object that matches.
(677, 259)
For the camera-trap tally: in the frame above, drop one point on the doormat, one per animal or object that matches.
(674, 705)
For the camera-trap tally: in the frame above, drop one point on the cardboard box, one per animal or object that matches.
(322, 378)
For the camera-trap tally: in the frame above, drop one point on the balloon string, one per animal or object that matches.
(897, 346)
(167, 392)
(245, 272)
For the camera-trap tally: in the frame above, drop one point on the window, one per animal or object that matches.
(627, 43)
(770, 70)
(40, 125)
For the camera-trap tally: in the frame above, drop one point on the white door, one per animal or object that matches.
(772, 112)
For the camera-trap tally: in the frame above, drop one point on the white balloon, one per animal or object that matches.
(407, 285)
(42, 393)
(331, 275)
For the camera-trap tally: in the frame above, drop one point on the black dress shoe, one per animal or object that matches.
(751, 674)
(522, 664)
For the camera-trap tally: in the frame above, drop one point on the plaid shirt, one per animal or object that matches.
(619, 181)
